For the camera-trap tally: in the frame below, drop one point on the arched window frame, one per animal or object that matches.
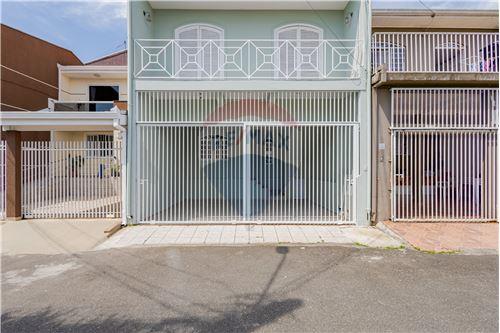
(199, 26)
(299, 27)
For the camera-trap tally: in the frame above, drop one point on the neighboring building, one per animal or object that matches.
(95, 87)
(244, 111)
(77, 173)
(435, 115)
(29, 74)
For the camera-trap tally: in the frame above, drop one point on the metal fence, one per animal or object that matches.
(444, 162)
(64, 179)
(219, 59)
(436, 52)
(245, 156)
(3, 152)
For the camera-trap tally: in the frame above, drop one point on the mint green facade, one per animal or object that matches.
(351, 23)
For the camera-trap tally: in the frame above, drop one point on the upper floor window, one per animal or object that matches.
(393, 55)
(299, 51)
(448, 57)
(199, 53)
(103, 93)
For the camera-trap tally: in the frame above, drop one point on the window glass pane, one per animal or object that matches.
(104, 93)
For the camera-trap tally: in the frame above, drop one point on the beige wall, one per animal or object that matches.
(78, 136)
(77, 89)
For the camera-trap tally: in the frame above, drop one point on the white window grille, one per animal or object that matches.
(213, 148)
(391, 54)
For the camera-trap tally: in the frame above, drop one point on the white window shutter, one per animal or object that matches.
(187, 41)
(211, 55)
(287, 52)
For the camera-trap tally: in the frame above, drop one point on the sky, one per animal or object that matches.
(92, 29)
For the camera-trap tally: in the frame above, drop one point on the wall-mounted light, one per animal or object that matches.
(147, 15)
(348, 18)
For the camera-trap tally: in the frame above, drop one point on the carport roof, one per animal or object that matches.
(62, 121)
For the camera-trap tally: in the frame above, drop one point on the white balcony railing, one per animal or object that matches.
(226, 59)
(436, 52)
(80, 106)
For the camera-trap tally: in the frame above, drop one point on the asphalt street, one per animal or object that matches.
(250, 289)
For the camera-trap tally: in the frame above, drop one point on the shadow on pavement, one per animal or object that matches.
(242, 313)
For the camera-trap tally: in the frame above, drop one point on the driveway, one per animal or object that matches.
(250, 289)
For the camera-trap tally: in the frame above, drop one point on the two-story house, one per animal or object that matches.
(435, 115)
(97, 86)
(76, 173)
(249, 112)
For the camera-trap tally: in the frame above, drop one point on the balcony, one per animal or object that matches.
(436, 52)
(230, 59)
(80, 106)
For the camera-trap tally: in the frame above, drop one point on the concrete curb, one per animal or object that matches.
(381, 225)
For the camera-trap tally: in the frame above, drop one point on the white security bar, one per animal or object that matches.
(285, 107)
(214, 173)
(247, 156)
(436, 52)
(458, 108)
(71, 179)
(444, 154)
(3, 192)
(271, 59)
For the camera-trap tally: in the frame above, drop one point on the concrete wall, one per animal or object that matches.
(78, 135)
(77, 89)
(247, 24)
(381, 152)
(36, 58)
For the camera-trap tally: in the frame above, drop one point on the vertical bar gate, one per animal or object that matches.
(444, 153)
(71, 179)
(246, 156)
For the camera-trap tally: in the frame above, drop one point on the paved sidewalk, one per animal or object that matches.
(248, 234)
(52, 236)
(447, 236)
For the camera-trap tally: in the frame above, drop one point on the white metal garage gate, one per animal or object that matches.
(444, 154)
(257, 156)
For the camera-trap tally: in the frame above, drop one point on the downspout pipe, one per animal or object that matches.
(123, 167)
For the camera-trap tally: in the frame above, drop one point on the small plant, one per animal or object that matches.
(436, 252)
(400, 247)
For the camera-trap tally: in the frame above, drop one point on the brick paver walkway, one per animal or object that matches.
(248, 234)
(448, 236)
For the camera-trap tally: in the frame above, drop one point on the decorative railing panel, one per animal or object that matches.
(247, 59)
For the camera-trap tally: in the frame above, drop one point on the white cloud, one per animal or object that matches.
(96, 13)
